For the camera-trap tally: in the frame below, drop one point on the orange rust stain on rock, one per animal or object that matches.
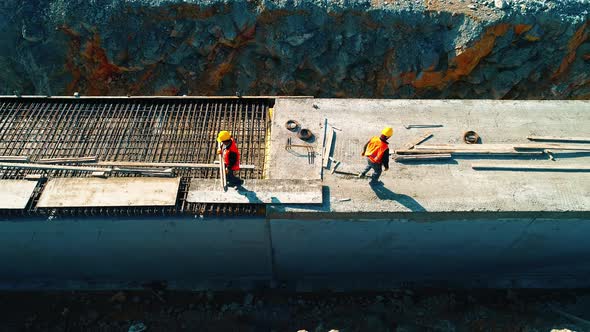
(147, 76)
(100, 72)
(221, 71)
(587, 57)
(369, 24)
(210, 81)
(579, 37)
(190, 40)
(463, 63)
(214, 74)
(408, 77)
(383, 76)
(173, 12)
(426, 79)
(341, 94)
(92, 72)
(168, 91)
(519, 29)
(72, 54)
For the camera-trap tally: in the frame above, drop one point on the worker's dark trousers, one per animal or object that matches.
(232, 179)
(376, 167)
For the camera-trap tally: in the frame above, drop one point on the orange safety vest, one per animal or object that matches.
(232, 148)
(375, 149)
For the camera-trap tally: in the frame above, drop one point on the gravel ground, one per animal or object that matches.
(400, 310)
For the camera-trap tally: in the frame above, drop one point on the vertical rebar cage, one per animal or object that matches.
(153, 130)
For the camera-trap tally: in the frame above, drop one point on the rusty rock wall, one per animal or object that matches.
(518, 49)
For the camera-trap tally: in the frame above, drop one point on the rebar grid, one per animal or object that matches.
(141, 130)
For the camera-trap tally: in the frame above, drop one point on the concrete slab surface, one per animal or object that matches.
(15, 194)
(257, 192)
(97, 192)
(294, 164)
(448, 186)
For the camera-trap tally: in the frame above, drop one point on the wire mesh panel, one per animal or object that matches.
(137, 130)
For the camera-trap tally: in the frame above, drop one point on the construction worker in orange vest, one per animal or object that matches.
(231, 157)
(377, 152)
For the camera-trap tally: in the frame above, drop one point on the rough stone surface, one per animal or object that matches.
(363, 48)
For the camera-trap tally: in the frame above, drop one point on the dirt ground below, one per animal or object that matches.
(157, 309)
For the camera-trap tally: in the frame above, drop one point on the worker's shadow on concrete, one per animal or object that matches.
(405, 200)
(249, 194)
(577, 154)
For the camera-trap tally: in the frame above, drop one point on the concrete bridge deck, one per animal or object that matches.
(498, 229)
(436, 186)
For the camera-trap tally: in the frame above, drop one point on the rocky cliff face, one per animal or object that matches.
(343, 48)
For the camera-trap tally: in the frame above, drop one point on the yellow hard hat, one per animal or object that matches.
(224, 135)
(387, 131)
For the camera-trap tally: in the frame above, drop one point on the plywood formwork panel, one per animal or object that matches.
(267, 191)
(96, 192)
(15, 194)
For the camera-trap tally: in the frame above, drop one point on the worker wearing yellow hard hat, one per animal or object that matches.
(231, 157)
(377, 152)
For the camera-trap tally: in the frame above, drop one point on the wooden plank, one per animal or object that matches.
(150, 172)
(91, 159)
(166, 165)
(143, 171)
(329, 148)
(532, 167)
(469, 149)
(501, 147)
(34, 177)
(265, 191)
(15, 194)
(559, 139)
(99, 174)
(552, 146)
(146, 171)
(420, 157)
(54, 167)
(222, 175)
(97, 192)
(417, 141)
(15, 159)
(445, 151)
(467, 152)
(323, 146)
(499, 153)
(345, 173)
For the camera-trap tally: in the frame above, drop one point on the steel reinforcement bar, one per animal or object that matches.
(158, 130)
